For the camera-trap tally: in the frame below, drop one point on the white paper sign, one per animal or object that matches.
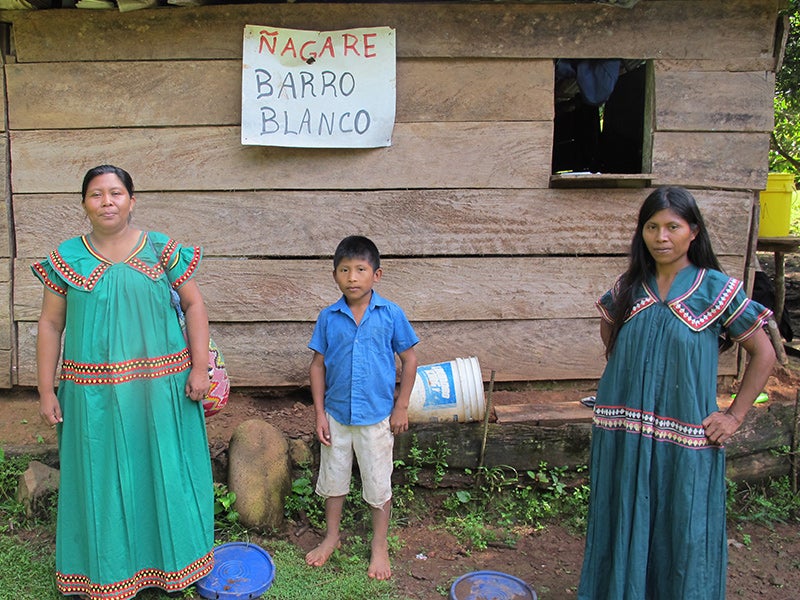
(318, 89)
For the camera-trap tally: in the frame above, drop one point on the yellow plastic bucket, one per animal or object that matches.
(776, 205)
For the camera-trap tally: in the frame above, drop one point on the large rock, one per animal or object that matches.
(36, 484)
(259, 473)
(300, 453)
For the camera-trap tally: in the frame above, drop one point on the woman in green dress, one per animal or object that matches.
(135, 507)
(656, 527)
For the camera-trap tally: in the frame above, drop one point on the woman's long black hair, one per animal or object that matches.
(641, 263)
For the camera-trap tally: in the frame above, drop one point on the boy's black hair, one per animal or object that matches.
(357, 246)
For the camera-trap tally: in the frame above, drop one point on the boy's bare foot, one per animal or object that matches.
(379, 565)
(320, 555)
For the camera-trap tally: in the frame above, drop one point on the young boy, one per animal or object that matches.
(353, 377)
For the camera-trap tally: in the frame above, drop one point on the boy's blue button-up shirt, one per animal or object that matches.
(360, 368)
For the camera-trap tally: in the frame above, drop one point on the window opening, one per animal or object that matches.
(600, 110)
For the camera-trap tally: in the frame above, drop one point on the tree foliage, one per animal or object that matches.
(784, 155)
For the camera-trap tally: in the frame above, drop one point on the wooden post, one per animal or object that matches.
(486, 420)
(795, 443)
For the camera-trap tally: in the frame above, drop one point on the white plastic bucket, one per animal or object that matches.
(448, 391)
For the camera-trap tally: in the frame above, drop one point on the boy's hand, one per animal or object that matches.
(398, 422)
(323, 431)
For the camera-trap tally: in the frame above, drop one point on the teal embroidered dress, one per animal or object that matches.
(135, 505)
(656, 527)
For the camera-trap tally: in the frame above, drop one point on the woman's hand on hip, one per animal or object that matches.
(720, 426)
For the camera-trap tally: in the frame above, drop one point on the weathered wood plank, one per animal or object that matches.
(7, 373)
(711, 159)
(517, 445)
(6, 320)
(4, 92)
(698, 30)
(402, 222)
(5, 198)
(276, 354)
(456, 289)
(422, 155)
(551, 415)
(525, 445)
(427, 90)
(714, 101)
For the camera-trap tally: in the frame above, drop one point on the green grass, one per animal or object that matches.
(26, 569)
(343, 576)
(500, 505)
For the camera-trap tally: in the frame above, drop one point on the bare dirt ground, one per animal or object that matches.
(763, 562)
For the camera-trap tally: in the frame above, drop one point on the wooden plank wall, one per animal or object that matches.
(486, 259)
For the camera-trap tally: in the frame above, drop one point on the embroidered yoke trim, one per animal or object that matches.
(139, 368)
(122, 590)
(167, 257)
(642, 303)
(51, 285)
(153, 272)
(72, 276)
(661, 429)
(709, 315)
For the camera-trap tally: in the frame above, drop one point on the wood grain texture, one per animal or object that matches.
(276, 354)
(430, 289)
(203, 92)
(714, 101)
(402, 222)
(729, 160)
(6, 217)
(484, 257)
(422, 155)
(735, 29)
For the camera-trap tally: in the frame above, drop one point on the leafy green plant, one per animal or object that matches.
(508, 500)
(303, 502)
(409, 471)
(765, 503)
(224, 514)
(11, 468)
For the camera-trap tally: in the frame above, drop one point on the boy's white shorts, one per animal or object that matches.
(373, 446)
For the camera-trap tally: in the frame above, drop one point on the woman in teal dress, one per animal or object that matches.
(135, 507)
(656, 526)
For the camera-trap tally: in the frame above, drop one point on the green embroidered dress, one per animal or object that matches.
(656, 527)
(135, 505)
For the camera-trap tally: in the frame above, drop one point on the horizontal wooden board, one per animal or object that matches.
(444, 289)
(4, 93)
(402, 223)
(711, 159)
(441, 289)
(6, 321)
(422, 155)
(5, 199)
(714, 101)
(650, 29)
(7, 371)
(190, 93)
(276, 354)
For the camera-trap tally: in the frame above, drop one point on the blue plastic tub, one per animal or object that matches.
(241, 571)
(490, 585)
